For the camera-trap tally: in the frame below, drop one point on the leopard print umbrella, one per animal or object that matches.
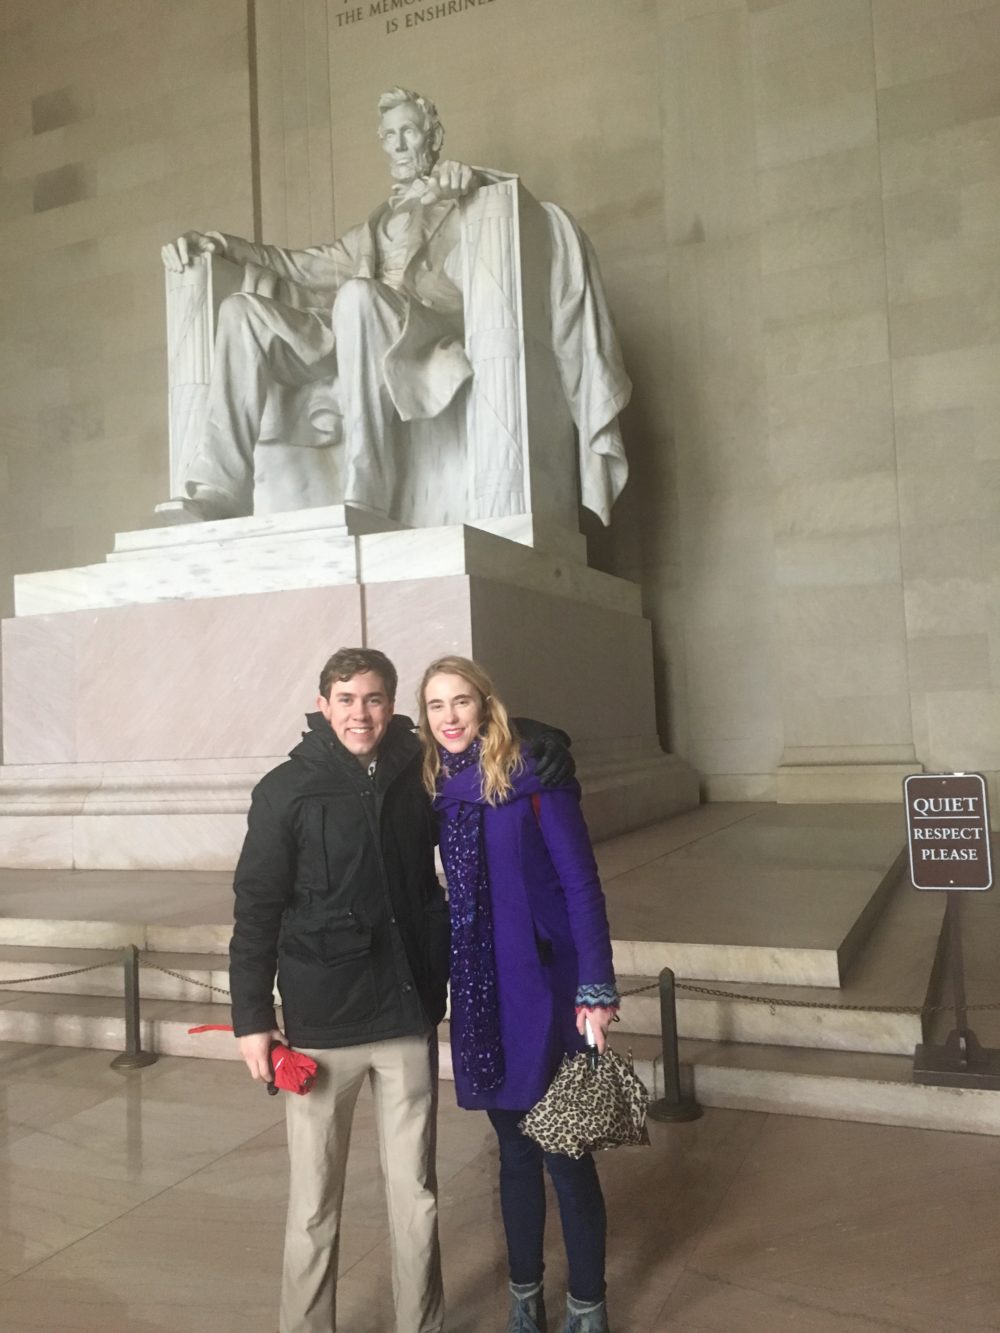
(591, 1103)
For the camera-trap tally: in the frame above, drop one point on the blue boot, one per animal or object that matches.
(586, 1316)
(527, 1309)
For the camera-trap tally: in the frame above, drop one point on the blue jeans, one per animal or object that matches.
(522, 1203)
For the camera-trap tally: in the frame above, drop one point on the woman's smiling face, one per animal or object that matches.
(454, 711)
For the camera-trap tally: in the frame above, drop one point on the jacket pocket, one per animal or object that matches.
(543, 947)
(326, 974)
(346, 942)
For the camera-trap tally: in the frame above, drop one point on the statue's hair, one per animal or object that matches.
(500, 755)
(432, 121)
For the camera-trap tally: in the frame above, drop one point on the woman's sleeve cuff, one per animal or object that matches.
(601, 996)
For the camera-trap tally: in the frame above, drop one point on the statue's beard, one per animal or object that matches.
(411, 167)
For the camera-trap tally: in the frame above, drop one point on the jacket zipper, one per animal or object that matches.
(372, 806)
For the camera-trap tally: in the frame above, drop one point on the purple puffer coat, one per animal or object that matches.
(550, 930)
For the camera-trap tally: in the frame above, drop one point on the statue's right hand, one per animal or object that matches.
(180, 253)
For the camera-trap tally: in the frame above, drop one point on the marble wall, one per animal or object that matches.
(121, 123)
(794, 202)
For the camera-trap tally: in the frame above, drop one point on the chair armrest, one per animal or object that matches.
(193, 298)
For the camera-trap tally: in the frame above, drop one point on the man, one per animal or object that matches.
(336, 891)
(378, 314)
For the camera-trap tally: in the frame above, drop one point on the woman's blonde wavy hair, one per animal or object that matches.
(500, 755)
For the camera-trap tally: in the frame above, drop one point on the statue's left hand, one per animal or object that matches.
(180, 253)
(449, 180)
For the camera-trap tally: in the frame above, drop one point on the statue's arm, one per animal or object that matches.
(322, 269)
(455, 180)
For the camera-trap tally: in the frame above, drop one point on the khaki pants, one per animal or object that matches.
(403, 1075)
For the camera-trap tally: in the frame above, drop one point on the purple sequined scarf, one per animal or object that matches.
(473, 966)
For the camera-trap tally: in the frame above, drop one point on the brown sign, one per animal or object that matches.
(948, 825)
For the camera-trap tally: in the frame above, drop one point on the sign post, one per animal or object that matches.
(948, 832)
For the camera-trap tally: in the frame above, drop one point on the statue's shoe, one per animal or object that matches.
(187, 509)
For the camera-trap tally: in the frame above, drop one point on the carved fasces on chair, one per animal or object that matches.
(520, 455)
(193, 300)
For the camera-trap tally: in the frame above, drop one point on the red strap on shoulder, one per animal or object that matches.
(536, 805)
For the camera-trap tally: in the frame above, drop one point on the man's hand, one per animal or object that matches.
(449, 180)
(600, 1021)
(553, 762)
(256, 1052)
(180, 253)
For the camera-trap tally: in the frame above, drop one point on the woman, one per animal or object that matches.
(530, 963)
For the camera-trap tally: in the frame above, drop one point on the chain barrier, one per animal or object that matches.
(111, 962)
(53, 976)
(784, 1002)
(179, 976)
(774, 1001)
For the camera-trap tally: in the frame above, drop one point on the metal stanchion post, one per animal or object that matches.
(133, 1057)
(673, 1105)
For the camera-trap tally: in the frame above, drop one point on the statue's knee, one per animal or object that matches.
(354, 297)
(238, 309)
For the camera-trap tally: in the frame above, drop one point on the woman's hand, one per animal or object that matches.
(600, 1020)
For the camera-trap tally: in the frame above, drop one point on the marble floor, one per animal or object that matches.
(153, 1201)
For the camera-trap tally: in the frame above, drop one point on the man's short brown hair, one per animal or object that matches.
(349, 662)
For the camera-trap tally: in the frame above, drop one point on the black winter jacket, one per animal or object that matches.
(336, 891)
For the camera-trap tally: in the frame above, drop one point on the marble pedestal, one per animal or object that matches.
(143, 697)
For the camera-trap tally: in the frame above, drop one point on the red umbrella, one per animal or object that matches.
(293, 1071)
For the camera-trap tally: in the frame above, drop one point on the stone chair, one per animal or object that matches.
(503, 451)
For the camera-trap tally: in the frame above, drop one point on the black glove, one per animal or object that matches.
(553, 762)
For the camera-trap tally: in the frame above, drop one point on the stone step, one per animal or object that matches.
(313, 558)
(731, 893)
(698, 1016)
(98, 1022)
(831, 1085)
(893, 971)
(643, 958)
(828, 1084)
(821, 1022)
(782, 895)
(153, 937)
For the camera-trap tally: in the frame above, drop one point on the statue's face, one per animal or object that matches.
(406, 140)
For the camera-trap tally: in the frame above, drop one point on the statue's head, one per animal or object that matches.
(411, 133)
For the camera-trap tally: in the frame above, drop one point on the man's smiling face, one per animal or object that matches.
(358, 710)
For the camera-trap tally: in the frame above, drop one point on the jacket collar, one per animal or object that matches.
(319, 745)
